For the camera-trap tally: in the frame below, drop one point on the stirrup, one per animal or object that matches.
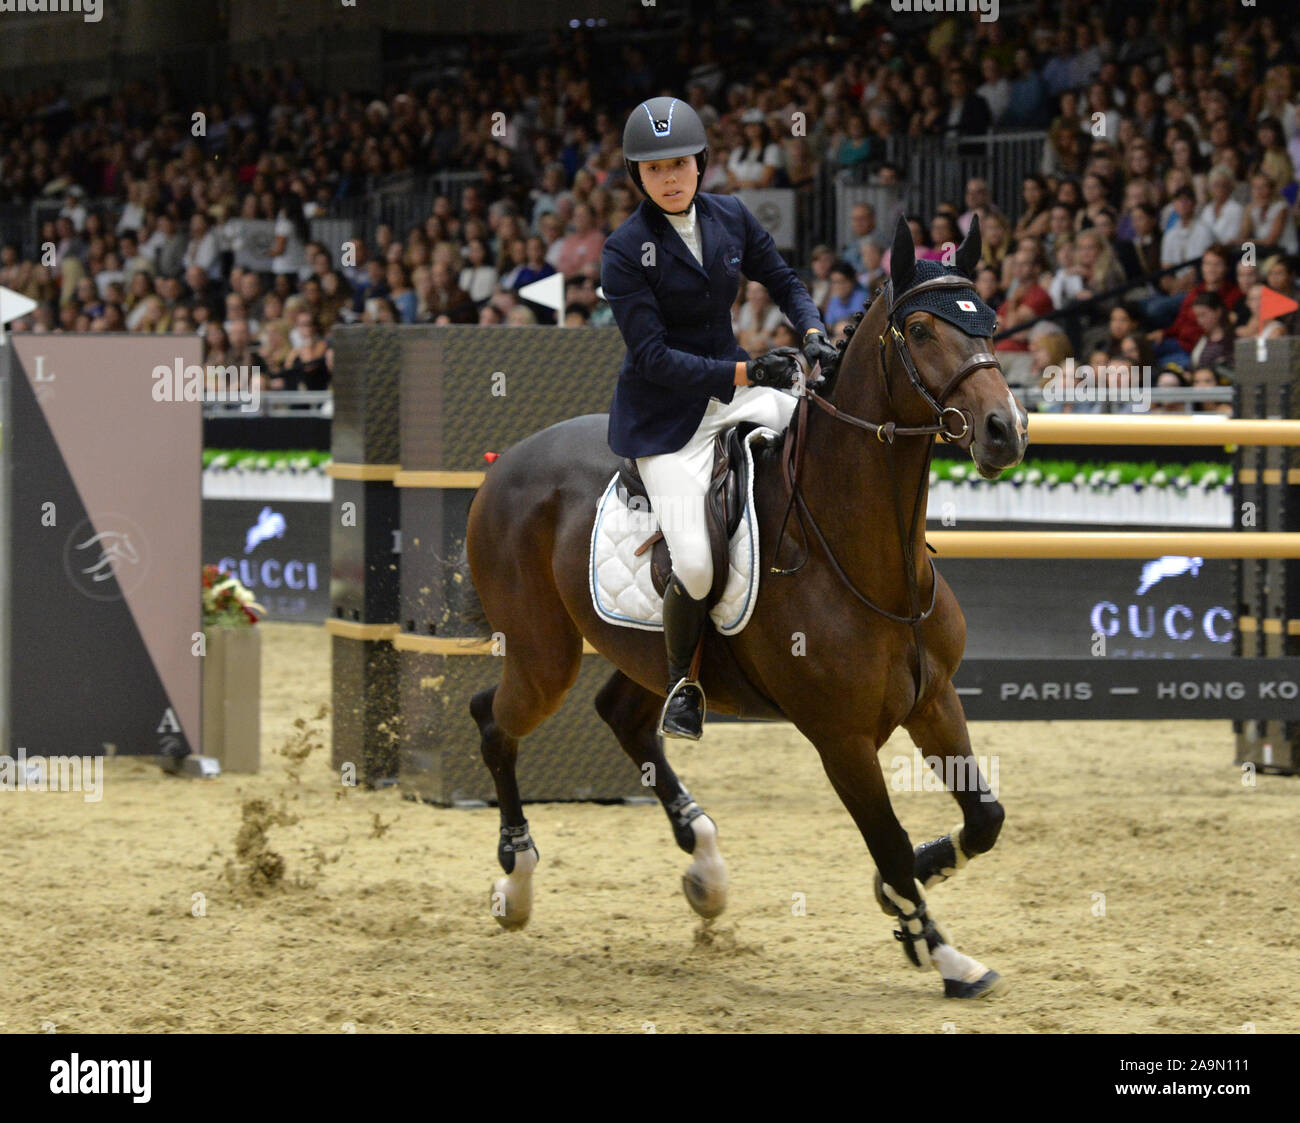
(682, 683)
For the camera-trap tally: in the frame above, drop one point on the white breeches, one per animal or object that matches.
(676, 481)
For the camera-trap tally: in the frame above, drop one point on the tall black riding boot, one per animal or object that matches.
(684, 619)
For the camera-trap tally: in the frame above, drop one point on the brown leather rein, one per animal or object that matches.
(885, 432)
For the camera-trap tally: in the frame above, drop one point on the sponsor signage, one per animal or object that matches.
(1103, 689)
(280, 550)
(1096, 639)
(1160, 608)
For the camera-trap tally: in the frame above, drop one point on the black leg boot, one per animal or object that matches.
(684, 619)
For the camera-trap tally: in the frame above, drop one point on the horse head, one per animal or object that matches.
(936, 354)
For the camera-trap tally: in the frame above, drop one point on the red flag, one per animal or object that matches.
(1273, 304)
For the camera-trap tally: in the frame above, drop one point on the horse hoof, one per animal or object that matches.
(986, 986)
(708, 901)
(705, 880)
(511, 908)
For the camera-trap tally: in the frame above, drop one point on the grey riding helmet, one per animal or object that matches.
(662, 129)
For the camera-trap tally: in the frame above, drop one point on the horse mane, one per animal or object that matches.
(843, 345)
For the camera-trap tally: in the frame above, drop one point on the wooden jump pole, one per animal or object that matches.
(1107, 544)
(1139, 429)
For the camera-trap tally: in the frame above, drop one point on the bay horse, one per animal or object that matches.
(873, 655)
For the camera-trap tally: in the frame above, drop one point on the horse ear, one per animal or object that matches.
(902, 258)
(968, 253)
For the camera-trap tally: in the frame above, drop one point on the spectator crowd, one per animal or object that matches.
(1164, 200)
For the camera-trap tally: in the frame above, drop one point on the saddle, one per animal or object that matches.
(724, 506)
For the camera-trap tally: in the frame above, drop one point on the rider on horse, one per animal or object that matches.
(671, 273)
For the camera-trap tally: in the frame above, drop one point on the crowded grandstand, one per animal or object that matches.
(1151, 204)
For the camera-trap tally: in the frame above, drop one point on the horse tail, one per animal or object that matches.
(465, 615)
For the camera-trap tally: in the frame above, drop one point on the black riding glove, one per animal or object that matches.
(817, 349)
(779, 368)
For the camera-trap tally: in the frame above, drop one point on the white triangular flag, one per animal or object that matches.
(13, 305)
(548, 292)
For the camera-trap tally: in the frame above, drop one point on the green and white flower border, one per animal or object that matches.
(1197, 494)
(256, 474)
(1068, 491)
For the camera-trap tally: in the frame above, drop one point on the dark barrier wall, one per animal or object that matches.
(402, 676)
(99, 582)
(461, 399)
(365, 552)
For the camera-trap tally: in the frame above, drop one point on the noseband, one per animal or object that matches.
(886, 432)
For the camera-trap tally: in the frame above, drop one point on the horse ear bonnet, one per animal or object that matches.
(961, 307)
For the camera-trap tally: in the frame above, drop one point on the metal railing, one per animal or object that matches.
(396, 205)
(330, 58)
(277, 403)
(934, 170)
(402, 206)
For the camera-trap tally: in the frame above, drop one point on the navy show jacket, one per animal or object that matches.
(675, 316)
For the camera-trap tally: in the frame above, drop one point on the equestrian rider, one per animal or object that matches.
(671, 272)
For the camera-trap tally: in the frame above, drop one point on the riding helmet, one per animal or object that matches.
(660, 129)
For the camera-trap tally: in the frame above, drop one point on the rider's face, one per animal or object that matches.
(670, 183)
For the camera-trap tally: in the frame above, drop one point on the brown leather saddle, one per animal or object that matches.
(724, 507)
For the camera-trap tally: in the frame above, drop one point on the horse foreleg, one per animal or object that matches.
(854, 771)
(939, 730)
(632, 712)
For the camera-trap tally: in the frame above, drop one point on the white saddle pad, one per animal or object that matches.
(621, 589)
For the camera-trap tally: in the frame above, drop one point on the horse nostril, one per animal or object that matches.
(998, 430)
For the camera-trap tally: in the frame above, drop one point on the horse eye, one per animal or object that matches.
(918, 332)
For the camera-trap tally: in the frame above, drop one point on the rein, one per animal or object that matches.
(885, 432)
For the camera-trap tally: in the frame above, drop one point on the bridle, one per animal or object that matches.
(893, 333)
(886, 432)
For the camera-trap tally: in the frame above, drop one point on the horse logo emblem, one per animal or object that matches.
(270, 524)
(106, 557)
(110, 550)
(1171, 565)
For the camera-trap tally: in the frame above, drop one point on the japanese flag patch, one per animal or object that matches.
(966, 305)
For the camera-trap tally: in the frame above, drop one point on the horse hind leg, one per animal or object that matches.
(532, 688)
(512, 895)
(632, 712)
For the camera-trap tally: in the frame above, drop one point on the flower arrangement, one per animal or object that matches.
(226, 602)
